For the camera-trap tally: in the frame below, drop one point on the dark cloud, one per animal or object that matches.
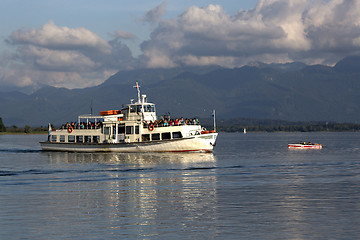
(154, 14)
(123, 35)
(334, 29)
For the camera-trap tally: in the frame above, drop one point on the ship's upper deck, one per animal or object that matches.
(140, 110)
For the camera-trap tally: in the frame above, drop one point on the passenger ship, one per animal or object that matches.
(133, 129)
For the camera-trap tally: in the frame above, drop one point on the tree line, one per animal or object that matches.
(235, 125)
(270, 125)
(2, 126)
(25, 129)
(338, 127)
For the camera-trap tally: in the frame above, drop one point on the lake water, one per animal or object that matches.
(251, 187)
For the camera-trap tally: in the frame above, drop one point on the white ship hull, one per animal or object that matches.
(198, 143)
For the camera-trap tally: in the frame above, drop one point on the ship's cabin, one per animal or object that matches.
(141, 110)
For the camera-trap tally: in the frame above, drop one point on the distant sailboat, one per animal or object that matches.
(244, 130)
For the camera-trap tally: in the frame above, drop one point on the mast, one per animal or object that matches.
(140, 101)
(91, 108)
(49, 132)
(214, 120)
(138, 91)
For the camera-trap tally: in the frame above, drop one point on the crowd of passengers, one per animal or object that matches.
(165, 122)
(82, 125)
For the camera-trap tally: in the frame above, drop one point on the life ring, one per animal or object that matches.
(70, 129)
(151, 127)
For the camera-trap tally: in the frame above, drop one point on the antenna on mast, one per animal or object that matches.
(138, 91)
(91, 108)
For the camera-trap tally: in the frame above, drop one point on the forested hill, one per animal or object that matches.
(292, 92)
(2, 126)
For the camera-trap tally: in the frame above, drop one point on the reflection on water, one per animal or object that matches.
(139, 192)
(140, 158)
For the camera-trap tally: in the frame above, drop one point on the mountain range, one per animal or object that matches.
(292, 92)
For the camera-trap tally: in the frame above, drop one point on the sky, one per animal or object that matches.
(80, 43)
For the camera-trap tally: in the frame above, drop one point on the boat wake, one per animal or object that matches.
(21, 150)
(117, 170)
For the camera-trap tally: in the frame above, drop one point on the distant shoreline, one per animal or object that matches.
(269, 125)
(22, 133)
(234, 125)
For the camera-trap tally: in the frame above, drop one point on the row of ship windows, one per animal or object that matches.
(72, 138)
(96, 139)
(164, 136)
(121, 129)
(130, 130)
(147, 108)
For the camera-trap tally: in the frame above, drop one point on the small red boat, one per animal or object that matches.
(304, 145)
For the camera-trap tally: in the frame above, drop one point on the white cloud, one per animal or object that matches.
(56, 60)
(158, 59)
(54, 37)
(63, 57)
(275, 30)
(208, 60)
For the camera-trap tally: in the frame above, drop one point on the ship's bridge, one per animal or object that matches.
(141, 110)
